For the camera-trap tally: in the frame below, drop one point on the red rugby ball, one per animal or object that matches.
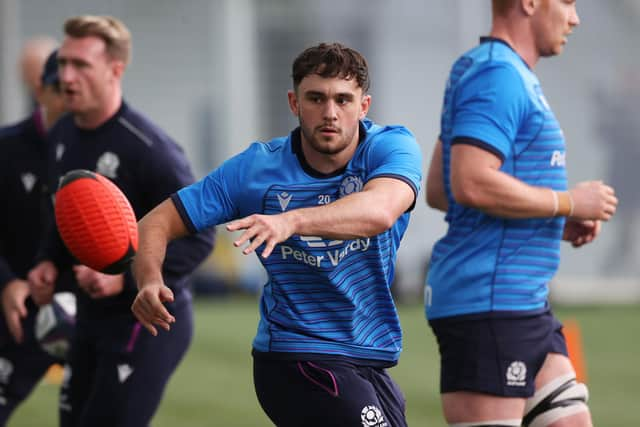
(96, 221)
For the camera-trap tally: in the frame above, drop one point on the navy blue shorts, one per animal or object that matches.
(492, 354)
(21, 365)
(118, 371)
(327, 393)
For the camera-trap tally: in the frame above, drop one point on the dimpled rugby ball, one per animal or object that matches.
(96, 221)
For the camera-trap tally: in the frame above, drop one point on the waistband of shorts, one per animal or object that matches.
(309, 357)
(491, 315)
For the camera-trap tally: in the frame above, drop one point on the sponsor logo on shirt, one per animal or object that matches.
(330, 257)
(558, 158)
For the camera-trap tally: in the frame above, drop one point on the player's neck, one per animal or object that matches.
(47, 118)
(328, 163)
(518, 35)
(95, 118)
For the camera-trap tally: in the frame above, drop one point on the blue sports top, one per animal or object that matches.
(485, 263)
(323, 296)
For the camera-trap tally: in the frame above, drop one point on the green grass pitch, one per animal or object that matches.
(213, 385)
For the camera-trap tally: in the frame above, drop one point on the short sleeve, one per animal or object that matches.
(210, 201)
(489, 106)
(395, 153)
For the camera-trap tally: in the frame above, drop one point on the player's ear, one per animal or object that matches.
(529, 6)
(364, 105)
(39, 93)
(117, 68)
(293, 103)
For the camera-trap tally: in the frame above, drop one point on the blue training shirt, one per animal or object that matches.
(485, 263)
(329, 297)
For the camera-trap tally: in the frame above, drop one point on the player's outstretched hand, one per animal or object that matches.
(97, 284)
(42, 279)
(593, 200)
(14, 295)
(259, 229)
(149, 309)
(581, 232)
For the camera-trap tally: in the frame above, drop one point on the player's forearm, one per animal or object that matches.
(362, 214)
(436, 196)
(499, 194)
(156, 230)
(147, 264)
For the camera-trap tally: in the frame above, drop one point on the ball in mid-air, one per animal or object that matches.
(96, 221)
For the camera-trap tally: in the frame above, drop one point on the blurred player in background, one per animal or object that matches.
(325, 209)
(116, 373)
(499, 172)
(33, 55)
(24, 218)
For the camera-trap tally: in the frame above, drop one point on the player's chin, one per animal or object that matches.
(553, 50)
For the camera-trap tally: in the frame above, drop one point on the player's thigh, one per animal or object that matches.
(321, 393)
(555, 365)
(560, 399)
(471, 407)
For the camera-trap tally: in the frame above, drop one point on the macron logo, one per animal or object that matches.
(28, 180)
(124, 371)
(558, 158)
(284, 198)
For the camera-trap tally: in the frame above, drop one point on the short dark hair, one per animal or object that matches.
(331, 60)
(49, 76)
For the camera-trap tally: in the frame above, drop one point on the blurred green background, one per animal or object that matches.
(213, 386)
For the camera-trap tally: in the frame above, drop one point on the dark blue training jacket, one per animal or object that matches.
(148, 166)
(23, 196)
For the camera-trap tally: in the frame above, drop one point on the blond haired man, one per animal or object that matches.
(117, 372)
(499, 173)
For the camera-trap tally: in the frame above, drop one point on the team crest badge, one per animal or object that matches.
(108, 165)
(517, 374)
(350, 184)
(371, 416)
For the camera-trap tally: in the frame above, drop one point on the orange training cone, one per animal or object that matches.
(54, 374)
(573, 337)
